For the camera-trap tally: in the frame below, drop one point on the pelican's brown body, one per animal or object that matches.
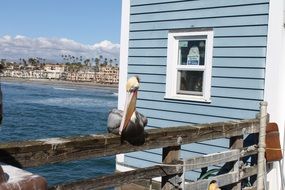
(128, 123)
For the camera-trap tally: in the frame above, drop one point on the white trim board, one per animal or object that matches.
(122, 168)
(274, 91)
(124, 48)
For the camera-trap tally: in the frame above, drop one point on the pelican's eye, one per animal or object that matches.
(134, 88)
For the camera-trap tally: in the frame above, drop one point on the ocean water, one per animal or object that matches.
(37, 111)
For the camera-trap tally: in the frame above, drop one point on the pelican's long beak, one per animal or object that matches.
(130, 108)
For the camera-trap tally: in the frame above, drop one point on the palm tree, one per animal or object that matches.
(87, 62)
(24, 62)
(32, 61)
(105, 61)
(101, 58)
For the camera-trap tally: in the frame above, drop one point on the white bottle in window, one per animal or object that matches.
(193, 56)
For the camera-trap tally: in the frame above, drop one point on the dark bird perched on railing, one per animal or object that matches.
(128, 123)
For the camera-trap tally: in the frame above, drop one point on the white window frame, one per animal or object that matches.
(173, 67)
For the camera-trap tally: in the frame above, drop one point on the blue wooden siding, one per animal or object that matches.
(240, 38)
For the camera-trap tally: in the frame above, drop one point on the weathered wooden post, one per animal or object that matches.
(170, 155)
(261, 146)
(236, 143)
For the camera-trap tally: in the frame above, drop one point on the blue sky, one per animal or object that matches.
(80, 22)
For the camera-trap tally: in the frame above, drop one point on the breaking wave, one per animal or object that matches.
(75, 102)
(66, 89)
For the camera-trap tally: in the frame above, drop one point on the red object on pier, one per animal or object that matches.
(273, 148)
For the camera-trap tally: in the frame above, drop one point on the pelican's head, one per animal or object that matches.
(131, 99)
(133, 84)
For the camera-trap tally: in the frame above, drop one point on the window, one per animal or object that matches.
(189, 65)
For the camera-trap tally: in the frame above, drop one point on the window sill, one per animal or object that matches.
(188, 98)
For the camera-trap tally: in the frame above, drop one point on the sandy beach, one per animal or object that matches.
(61, 83)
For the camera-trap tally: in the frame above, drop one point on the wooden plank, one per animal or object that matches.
(172, 120)
(133, 158)
(151, 6)
(158, 123)
(140, 2)
(239, 41)
(219, 32)
(184, 117)
(218, 42)
(235, 62)
(218, 100)
(239, 62)
(40, 152)
(148, 52)
(152, 78)
(238, 83)
(240, 52)
(119, 178)
(153, 101)
(201, 13)
(201, 23)
(236, 142)
(233, 102)
(147, 69)
(243, 83)
(248, 73)
(245, 94)
(217, 52)
(170, 155)
(248, 171)
(222, 180)
(147, 61)
(250, 188)
(212, 159)
(187, 151)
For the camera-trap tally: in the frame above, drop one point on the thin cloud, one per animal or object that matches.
(52, 48)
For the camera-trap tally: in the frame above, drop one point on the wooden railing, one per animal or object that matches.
(53, 150)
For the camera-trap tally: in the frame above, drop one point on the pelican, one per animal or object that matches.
(128, 123)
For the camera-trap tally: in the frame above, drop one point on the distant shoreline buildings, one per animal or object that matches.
(101, 73)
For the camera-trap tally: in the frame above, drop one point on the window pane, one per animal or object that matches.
(192, 52)
(190, 82)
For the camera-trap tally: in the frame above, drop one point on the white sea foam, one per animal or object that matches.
(85, 102)
(66, 89)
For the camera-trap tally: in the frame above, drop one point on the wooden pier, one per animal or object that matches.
(54, 150)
